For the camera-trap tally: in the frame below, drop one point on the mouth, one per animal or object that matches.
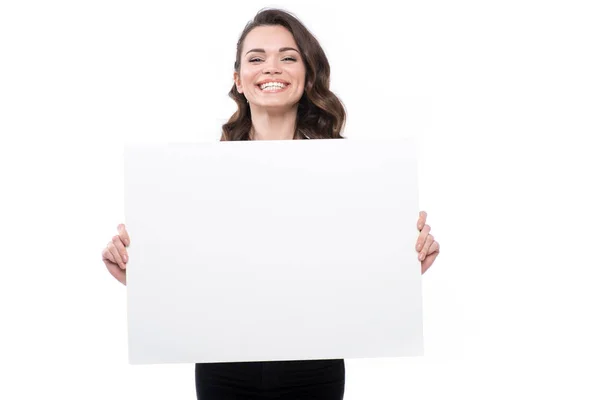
(272, 86)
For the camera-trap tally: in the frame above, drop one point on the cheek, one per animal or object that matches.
(301, 83)
(300, 75)
(247, 79)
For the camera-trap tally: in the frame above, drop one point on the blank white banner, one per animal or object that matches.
(272, 250)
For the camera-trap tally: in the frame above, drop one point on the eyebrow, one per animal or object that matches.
(281, 50)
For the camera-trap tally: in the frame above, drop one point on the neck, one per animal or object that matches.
(273, 125)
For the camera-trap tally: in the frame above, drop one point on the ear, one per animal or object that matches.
(238, 82)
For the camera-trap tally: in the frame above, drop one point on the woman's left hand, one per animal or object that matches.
(427, 247)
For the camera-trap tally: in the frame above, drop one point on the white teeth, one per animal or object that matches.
(272, 85)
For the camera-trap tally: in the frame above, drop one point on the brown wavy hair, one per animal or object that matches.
(321, 115)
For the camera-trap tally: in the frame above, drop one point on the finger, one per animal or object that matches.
(124, 235)
(120, 248)
(115, 271)
(435, 251)
(117, 257)
(107, 255)
(434, 248)
(425, 251)
(428, 262)
(422, 219)
(422, 237)
(111, 265)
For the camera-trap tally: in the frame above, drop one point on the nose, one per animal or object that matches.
(271, 69)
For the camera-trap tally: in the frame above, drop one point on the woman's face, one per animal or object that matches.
(272, 72)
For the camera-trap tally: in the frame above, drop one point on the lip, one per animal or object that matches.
(272, 80)
(273, 91)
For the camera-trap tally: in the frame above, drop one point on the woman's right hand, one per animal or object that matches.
(115, 255)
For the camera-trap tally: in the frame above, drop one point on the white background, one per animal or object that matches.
(504, 97)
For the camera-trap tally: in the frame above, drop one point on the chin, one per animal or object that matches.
(276, 106)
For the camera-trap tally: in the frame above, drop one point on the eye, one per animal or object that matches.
(289, 58)
(255, 59)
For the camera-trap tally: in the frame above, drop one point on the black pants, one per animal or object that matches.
(285, 380)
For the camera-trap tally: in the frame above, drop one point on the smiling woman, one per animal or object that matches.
(281, 84)
(281, 87)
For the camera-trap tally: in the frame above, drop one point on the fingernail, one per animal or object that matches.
(419, 247)
(124, 258)
(422, 257)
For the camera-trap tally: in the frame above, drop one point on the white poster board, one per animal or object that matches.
(272, 250)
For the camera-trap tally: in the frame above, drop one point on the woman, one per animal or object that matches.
(281, 87)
